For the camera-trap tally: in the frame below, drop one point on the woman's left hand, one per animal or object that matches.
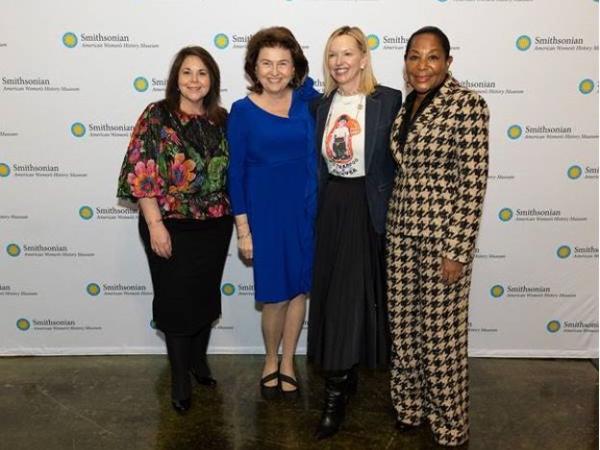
(451, 270)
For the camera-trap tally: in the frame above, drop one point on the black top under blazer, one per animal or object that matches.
(381, 109)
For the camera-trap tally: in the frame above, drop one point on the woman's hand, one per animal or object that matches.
(245, 245)
(451, 270)
(244, 236)
(160, 239)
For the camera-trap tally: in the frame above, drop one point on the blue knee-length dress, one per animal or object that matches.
(272, 179)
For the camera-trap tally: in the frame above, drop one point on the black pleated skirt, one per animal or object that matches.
(348, 316)
(187, 286)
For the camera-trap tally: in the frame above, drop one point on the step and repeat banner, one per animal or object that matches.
(74, 77)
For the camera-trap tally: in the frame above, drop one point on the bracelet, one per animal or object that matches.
(242, 236)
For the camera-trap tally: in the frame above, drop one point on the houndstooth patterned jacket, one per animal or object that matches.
(440, 185)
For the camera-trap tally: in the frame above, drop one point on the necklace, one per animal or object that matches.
(347, 94)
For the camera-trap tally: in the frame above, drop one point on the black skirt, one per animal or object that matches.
(187, 286)
(348, 316)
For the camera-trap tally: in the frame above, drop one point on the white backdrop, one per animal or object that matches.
(76, 75)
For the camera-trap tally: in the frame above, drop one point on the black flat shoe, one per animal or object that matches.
(181, 406)
(204, 380)
(405, 427)
(289, 380)
(269, 392)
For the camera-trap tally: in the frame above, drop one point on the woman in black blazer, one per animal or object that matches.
(348, 318)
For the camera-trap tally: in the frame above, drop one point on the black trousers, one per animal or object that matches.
(187, 352)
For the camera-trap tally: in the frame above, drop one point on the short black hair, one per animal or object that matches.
(444, 41)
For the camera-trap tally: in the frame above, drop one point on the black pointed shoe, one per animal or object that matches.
(204, 380)
(181, 406)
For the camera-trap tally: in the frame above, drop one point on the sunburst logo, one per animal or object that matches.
(78, 129)
(373, 41)
(505, 214)
(514, 132)
(221, 40)
(153, 325)
(86, 212)
(140, 84)
(553, 326)
(228, 289)
(563, 252)
(23, 324)
(69, 39)
(93, 289)
(586, 86)
(13, 249)
(4, 170)
(574, 172)
(497, 291)
(523, 42)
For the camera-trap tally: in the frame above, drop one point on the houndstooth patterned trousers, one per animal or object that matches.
(429, 326)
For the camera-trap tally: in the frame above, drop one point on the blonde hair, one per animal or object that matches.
(367, 77)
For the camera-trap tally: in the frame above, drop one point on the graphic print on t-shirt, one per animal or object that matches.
(338, 145)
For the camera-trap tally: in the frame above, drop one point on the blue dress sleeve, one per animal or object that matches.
(307, 91)
(237, 137)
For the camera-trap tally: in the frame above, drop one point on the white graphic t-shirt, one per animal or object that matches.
(344, 138)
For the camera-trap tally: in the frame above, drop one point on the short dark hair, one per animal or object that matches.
(444, 41)
(270, 38)
(212, 102)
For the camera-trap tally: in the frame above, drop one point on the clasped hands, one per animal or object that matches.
(451, 270)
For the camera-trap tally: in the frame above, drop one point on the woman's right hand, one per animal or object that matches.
(160, 239)
(245, 246)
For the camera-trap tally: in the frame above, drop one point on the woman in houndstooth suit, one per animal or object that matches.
(440, 143)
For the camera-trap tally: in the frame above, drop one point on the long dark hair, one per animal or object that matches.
(212, 102)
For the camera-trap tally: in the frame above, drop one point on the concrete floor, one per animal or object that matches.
(122, 402)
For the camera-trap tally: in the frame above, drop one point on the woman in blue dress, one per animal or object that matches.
(272, 184)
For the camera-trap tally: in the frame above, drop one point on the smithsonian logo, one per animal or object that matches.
(37, 170)
(117, 289)
(224, 41)
(576, 172)
(515, 132)
(537, 215)
(553, 43)
(87, 212)
(86, 40)
(53, 325)
(104, 129)
(565, 251)
(230, 289)
(572, 326)
(528, 292)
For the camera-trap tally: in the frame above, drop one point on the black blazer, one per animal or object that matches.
(381, 109)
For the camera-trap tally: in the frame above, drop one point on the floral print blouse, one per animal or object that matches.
(179, 159)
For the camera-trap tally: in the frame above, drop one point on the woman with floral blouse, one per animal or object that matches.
(175, 169)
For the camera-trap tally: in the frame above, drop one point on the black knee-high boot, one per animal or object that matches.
(179, 351)
(199, 364)
(334, 410)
